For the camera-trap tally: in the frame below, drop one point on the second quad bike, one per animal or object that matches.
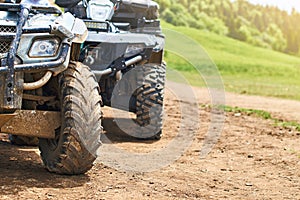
(124, 49)
(45, 91)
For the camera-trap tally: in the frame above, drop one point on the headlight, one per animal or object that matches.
(101, 11)
(134, 49)
(44, 48)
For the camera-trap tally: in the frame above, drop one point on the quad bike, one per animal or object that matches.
(45, 91)
(124, 49)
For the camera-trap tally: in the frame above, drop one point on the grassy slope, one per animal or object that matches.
(244, 68)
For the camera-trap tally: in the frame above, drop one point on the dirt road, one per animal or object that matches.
(252, 159)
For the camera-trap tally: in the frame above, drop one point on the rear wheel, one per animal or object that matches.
(149, 101)
(73, 151)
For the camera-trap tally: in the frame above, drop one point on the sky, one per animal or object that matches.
(282, 4)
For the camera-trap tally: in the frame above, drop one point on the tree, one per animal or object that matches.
(265, 26)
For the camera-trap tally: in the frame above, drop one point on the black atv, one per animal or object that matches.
(124, 49)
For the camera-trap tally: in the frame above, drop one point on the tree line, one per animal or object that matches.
(264, 26)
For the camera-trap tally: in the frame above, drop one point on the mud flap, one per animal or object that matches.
(31, 123)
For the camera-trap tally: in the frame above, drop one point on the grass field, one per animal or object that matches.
(244, 68)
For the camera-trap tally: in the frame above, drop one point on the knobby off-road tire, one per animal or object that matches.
(73, 151)
(149, 101)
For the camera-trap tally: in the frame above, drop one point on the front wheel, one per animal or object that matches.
(149, 100)
(73, 151)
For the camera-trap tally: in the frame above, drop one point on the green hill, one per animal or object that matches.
(262, 26)
(243, 67)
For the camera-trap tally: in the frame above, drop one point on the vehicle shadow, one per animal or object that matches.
(113, 134)
(22, 168)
